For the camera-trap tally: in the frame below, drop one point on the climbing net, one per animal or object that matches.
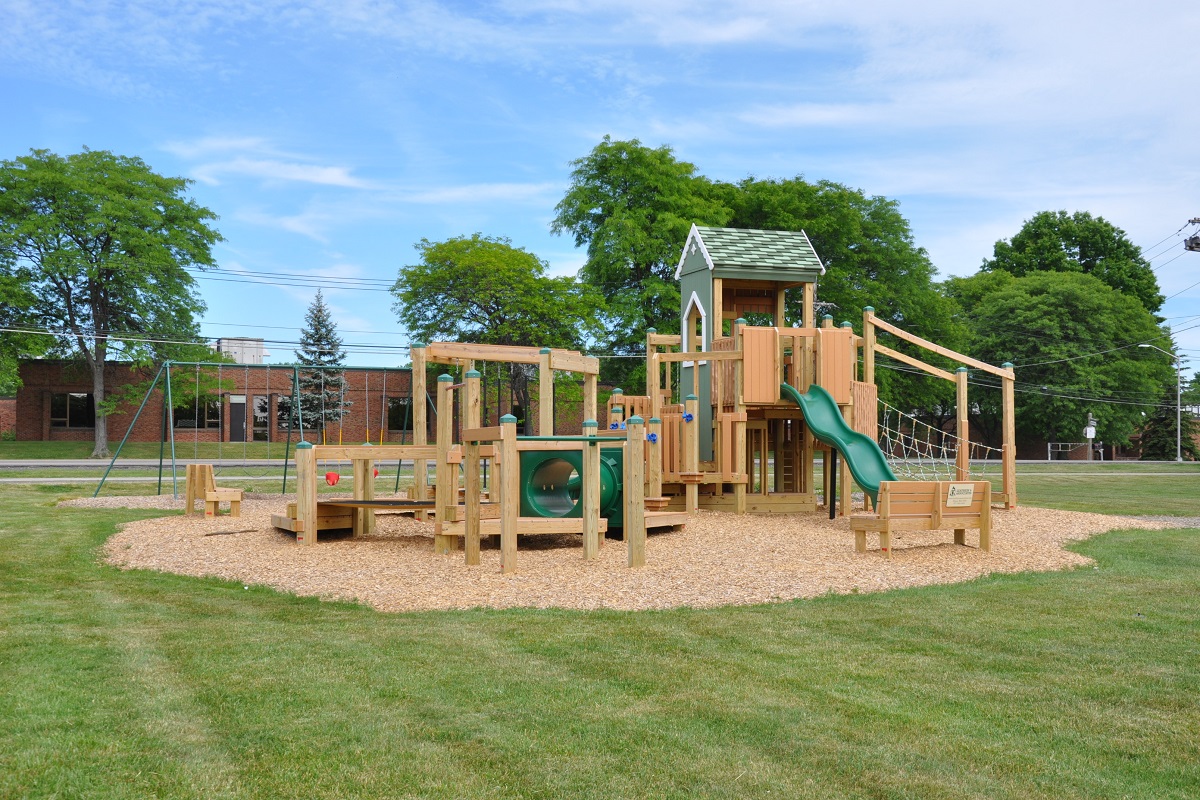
(918, 451)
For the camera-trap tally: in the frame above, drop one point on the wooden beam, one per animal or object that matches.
(510, 495)
(591, 494)
(634, 494)
(937, 348)
(377, 452)
(574, 362)
(707, 355)
(545, 393)
(912, 362)
(471, 415)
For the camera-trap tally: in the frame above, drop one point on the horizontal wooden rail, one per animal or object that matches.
(914, 362)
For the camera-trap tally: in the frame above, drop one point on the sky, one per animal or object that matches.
(330, 137)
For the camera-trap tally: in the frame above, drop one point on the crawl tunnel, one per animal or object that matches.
(552, 484)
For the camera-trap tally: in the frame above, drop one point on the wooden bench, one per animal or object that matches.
(927, 506)
(201, 485)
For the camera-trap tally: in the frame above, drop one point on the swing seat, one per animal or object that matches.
(201, 485)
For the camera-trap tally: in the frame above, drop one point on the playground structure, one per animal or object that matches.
(733, 419)
(759, 404)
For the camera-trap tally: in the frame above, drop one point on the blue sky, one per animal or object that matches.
(332, 136)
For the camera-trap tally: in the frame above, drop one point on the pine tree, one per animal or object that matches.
(1158, 436)
(323, 389)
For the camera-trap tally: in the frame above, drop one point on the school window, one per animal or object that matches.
(400, 414)
(72, 410)
(262, 418)
(198, 415)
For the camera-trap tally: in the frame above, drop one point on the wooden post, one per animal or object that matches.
(591, 492)
(654, 460)
(306, 494)
(868, 345)
(589, 396)
(691, 452)
(635, 504)
(364, 489)
(616, 411)
(739, 459)
(962, 464)
(1009, 451)
(510, 493)
(471, 419)
(420, 418)
(653, 375)
(446, 485)
(545, 394)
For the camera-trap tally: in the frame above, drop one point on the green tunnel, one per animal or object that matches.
(552, 480)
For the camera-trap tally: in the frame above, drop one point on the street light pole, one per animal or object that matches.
(1178, 402)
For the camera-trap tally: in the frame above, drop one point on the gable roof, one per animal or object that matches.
(735, 249)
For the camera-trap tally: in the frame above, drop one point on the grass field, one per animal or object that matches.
(132, 684)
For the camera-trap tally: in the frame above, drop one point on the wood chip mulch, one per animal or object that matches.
(719, 559)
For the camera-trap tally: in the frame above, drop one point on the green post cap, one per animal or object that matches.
(869, 308)
(416, 345)
(1007, 365)
(544, 350)
(691, 397)
(618, 391)
(827, 316)
(304, 445)
(740, 321)
(962, 369)
(508, 418)
(472, 373)
(635, 420)
(655, 421)
(846, 325)
(591, 423)
(444, 378)
(651, 330)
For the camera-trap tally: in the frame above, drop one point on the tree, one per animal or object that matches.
(16, 343)
(323, 384)
(1073, 341)
(1060, 242)
(632, 206)
(482, 289)
(1158, 438)
(103, 244)
(870, 259)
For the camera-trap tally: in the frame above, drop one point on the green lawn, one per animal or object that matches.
(1069, 685)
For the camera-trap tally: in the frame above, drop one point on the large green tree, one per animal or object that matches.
(1160, 440)
(870, 259)
(1073, 340)
(104, 243)
(1055, 241)
(482, 289)
(631, 206)
(322, 379)
(16, 342)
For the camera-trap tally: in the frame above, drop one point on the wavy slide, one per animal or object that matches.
(861, 453)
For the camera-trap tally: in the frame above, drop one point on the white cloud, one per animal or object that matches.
(272, 170)
(484, 193)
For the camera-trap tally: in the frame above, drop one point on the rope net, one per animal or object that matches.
(918, 451)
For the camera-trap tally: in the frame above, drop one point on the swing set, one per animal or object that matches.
(238, 406)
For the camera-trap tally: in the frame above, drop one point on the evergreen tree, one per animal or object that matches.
(1158, 437)
(323, 388)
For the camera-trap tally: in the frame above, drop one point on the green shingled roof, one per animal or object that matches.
(743, 247)
(778, 256)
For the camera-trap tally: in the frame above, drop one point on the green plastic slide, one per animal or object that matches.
(866, 461)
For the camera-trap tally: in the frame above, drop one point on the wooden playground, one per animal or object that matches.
(734, 419)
